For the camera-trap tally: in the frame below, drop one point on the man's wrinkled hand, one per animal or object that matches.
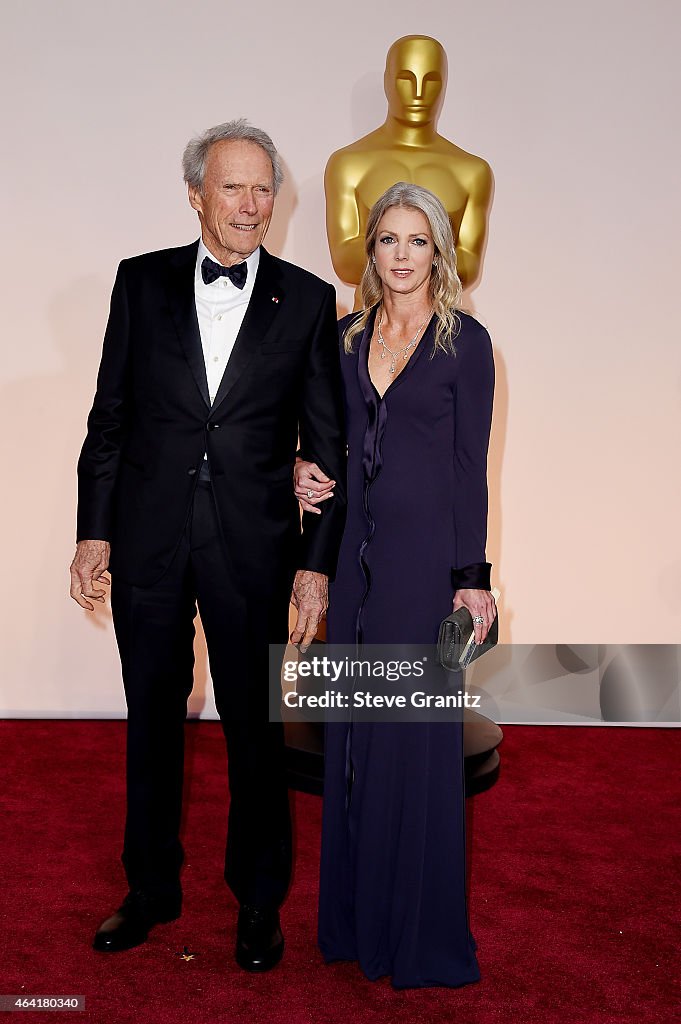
(89, 564)
(311, 597)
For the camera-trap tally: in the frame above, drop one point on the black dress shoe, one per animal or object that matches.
(130, 925)
(259, 939)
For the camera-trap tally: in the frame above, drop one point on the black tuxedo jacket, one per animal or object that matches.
(152, 421)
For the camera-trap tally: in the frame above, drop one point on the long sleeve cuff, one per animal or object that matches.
(475, 576)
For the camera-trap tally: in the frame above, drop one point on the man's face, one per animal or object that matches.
(235, 204)
(415, 79)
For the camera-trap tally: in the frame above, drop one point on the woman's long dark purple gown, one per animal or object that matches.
(392, 886)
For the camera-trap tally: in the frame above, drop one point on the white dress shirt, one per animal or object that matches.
(220, 309)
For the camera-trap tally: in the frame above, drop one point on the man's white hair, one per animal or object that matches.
(196, 150)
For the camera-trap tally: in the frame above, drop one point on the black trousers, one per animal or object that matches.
(155, 633)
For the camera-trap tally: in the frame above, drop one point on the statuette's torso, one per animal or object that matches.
(407, 148)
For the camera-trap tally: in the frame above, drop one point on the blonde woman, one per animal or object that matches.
(419, 378)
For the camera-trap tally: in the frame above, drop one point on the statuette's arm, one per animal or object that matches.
(470, 243)
(346, 239)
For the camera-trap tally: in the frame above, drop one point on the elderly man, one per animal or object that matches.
(217, 358)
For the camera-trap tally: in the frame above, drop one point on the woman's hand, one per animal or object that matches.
(311, 485)
(480, 603)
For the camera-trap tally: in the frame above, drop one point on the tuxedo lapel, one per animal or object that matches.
(180, 288)
(265, 304)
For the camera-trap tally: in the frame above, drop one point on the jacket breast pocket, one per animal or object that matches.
(281, 361)
(286, 345)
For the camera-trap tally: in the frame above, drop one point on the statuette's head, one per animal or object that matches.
(233, 173)
(415, 79)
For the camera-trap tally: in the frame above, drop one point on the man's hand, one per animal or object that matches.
(87, 568)
(311, 597)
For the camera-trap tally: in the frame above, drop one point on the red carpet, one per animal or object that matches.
(575, 862)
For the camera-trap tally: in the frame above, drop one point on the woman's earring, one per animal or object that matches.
(373, 259)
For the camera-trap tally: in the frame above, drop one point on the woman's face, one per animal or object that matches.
(404, 250)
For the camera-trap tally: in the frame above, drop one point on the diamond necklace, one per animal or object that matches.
(401, 352)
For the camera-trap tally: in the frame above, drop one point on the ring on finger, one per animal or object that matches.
(478, 619)
(309, 494)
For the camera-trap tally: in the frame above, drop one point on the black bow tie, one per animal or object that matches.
(211, 271)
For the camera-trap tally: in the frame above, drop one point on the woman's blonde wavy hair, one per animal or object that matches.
(445, 286)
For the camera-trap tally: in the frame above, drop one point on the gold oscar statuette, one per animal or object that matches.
(407, 147)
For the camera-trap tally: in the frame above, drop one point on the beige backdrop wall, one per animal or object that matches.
(574, 105)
